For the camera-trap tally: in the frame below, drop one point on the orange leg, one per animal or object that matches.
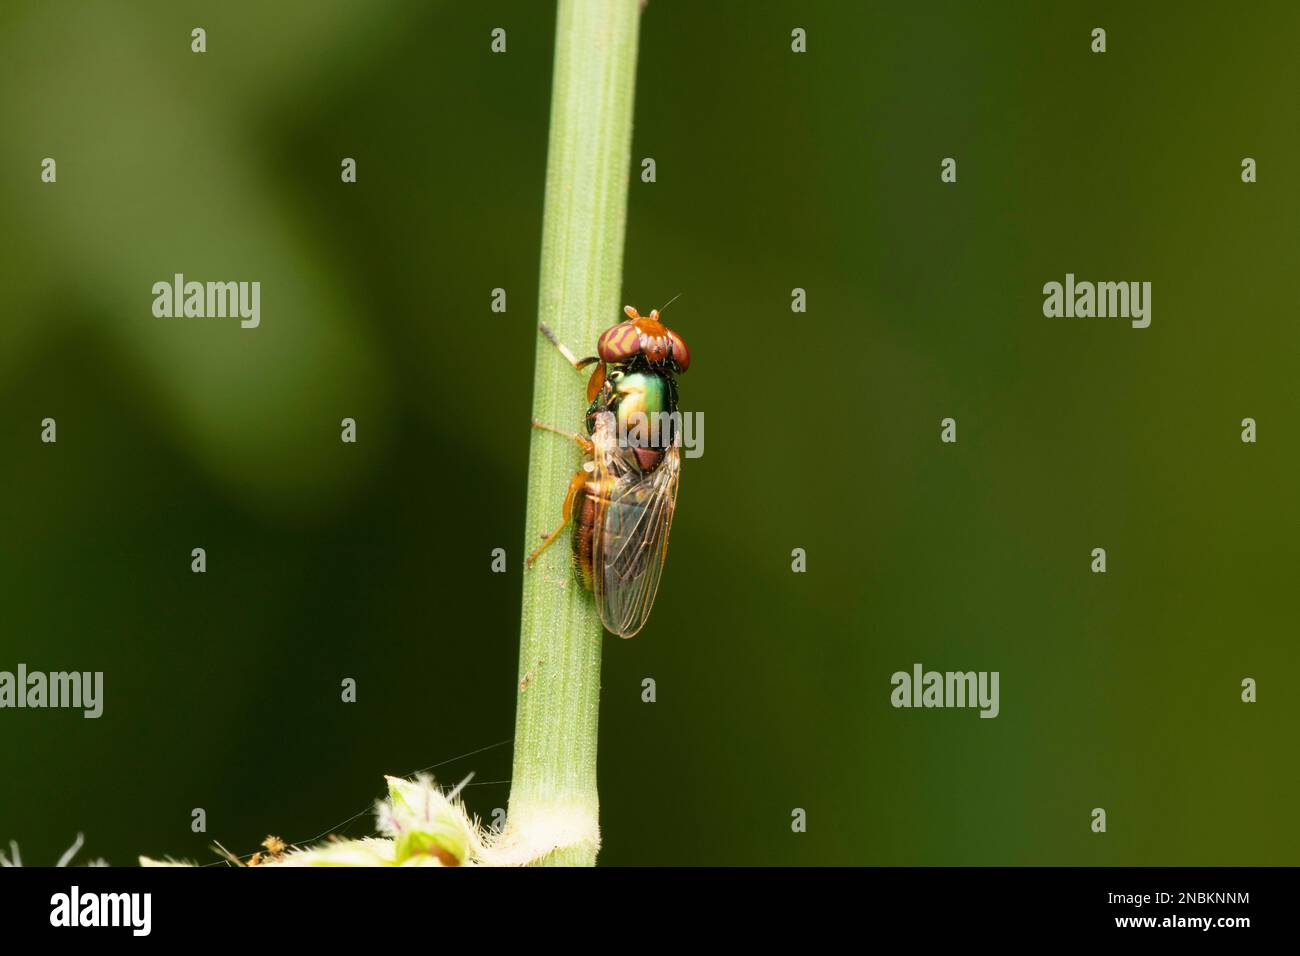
(583, 442)
(575, 485)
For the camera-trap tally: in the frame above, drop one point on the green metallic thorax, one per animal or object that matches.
(639, 398)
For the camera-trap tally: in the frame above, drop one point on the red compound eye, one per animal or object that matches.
(619, 343)
(681, 354)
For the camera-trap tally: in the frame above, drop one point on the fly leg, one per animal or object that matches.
(575, 485)
(569, 357)
(583, 442)
(598, 374)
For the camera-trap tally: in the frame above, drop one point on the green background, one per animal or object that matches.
(775, 170)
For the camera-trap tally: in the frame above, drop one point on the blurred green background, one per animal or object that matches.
(775, 170)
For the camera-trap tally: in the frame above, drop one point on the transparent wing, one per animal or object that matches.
(634, 516)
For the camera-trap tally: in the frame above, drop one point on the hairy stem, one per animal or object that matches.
(553, 815)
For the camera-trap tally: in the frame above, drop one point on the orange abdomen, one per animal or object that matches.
(584, 532)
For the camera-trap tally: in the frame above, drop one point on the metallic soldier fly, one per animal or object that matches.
(622, 499)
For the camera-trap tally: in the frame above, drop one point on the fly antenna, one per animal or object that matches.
(664, 307)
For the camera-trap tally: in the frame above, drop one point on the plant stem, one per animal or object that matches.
(553, 815)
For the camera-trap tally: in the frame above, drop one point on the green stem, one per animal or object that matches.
(553, 815)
